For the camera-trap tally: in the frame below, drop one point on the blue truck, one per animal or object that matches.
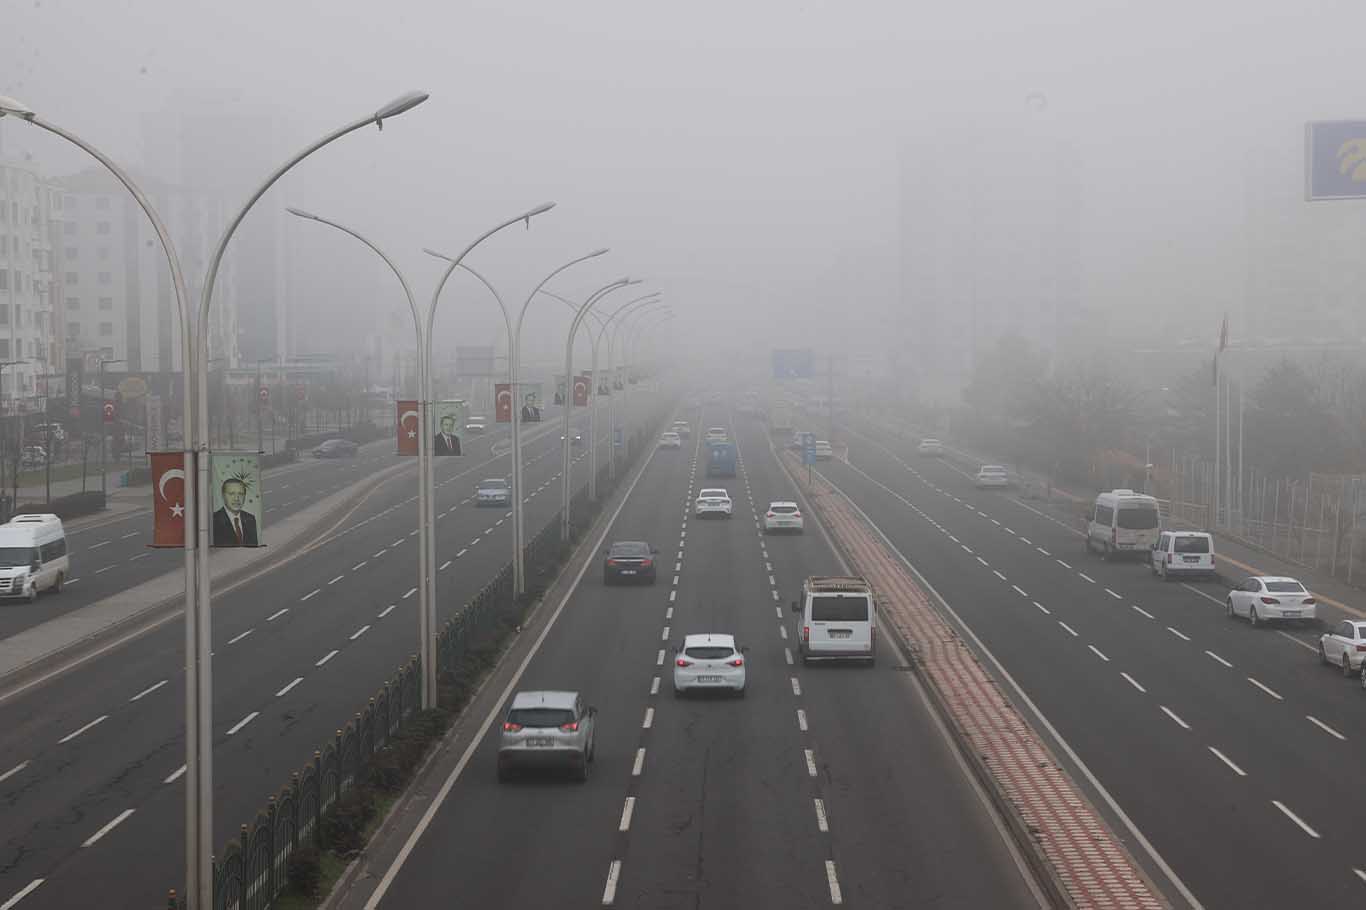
(721, 459)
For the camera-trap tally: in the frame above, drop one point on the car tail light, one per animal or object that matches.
(806, 633)
(737, 662)
(1171, 558)
(571, 727)
(1270, 600)
(611, 562)
(1361, 647)
(682, 663)
(768, 515)
(510, 727)
(796, 514)
(646, 563)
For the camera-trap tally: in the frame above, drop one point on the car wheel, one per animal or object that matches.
(1363, 676)
(1323, 655)
(1105, 553)
(1231, 614)
(678, 693)
(593, 747)
(1346, 667)
(33, 593)
(1252, 617)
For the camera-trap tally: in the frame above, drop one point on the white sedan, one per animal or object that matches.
(1262, 598)
(783, 516)
(930, 446)
(713, 502)
(991, 476)
(1344, 647)
(709, 661)
(670, 440)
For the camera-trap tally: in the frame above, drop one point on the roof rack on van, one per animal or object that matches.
(35, 518)
(838, 583)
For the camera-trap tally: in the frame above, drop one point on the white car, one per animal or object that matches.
(930, 446)
(494, 491)
(670, 440)
(1263, 598)
(823, 450)
(783, 516)
(716, 434)
(1344, 647)
(709, 661)
(991, 477)
(713, 502)
(476, 425)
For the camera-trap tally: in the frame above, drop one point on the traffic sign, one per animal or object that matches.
(808, 448)
(109, 411)
(264, 395)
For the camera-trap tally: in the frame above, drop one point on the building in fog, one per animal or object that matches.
(990, 247)
(30, 280)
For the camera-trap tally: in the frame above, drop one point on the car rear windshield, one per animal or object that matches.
(630, 549)
(826, 608)
(782, 510)
(1285, 587)
(1189, 544)
(1137, 518)
(541, 717)
(709, 652)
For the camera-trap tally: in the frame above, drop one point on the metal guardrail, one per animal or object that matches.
(252, 869)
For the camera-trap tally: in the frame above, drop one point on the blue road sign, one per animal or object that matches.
(1335, 159)
(808, 448)
(795, 363)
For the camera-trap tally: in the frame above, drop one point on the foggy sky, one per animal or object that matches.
(743, 157)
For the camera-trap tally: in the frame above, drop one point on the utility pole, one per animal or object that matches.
(104, 482)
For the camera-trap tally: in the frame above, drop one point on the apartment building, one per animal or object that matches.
(30, 281)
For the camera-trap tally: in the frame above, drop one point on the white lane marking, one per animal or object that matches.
(1113, 594)
(75, 733)
(678, 567)
(782, 632)
(1178, 633)
(675, 581)
(1267, 689)
(72, 581)
(997, 573)
(639, 762)
(779, 611)
(337, 579)
(475, 541)
(360, 565)
(1172, 714)
(461, 553)
(1218, 658)
(25, 892)
(1361, 874)
(118, 820)
(796, 686)
(1143, 611)
(285, 690)
(627, 811)
(102, 571)
(998, 524)
(411, 592)
(966, 548)
(1324, 727)
(243, 722)
(980, 512)
(1042, 607)
(787, 653)
(664, 634)
(1296, 819)
(277, 614)
(102, 543)
(1228, 761)
(175, 775)
(1025, 540)
(377, 555)
(13, 771)
(673, 595)
(152, 688)
(1043, 551)
(659, 658)
(775, 597)
(312, 593)
(833, 881)
(1063, 564)
(1133, 682)
(649, 719)
(772, 582)
(669, 613)
(1305, 645)
(1086, 577)
(609, 892)
(810, 762)
(822, 824)
(1019, 590)
(444, 566)
(983, 561)
(326, 658)
(139, 556)
(1098, 653)
(397, 543)
(801, 720)
(359, 632)
(1070, 631)
(387, 610)
(654, 686)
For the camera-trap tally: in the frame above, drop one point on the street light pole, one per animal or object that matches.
(429, 534)
(612, 399)
(593, 402)
(104, 485)
(620, 329)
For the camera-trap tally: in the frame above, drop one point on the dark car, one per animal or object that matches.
(336, 448)
(629, 560)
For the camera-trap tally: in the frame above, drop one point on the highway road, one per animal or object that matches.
(91, 763)
(824, 784)
(1231, 749)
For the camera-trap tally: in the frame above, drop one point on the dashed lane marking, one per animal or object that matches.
(810, 762)
(822, 823)
(13, 771)
(285, 691)
(1133, 682)
(75, 733)
(609, 891)
(1324, 727)
(1228, 761)
(1173, 715)
(326, 658)
(1218, 658)
(1296, 819)
(244, 721)
(639, 764)
(1267, 689)
(152, 688)
(117, 820)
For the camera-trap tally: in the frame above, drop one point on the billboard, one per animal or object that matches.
(1335, 159)
(236, 491)
(531, 401)
(581, 386)
(794, 363)
(502, 402)
(474, 361)
(406, 427)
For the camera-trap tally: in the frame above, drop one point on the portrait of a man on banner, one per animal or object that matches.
(236, 499)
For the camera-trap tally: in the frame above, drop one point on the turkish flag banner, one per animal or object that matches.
(502, 402)
(407, 427)
(581, 385)
(168, 499)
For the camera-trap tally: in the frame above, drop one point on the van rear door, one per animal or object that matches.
(841, 624)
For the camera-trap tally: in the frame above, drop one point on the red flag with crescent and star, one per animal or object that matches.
(502, 402)
(581, 386)
(407, 427)
(168, 499)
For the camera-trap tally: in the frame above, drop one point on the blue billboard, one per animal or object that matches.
(794, 363)
(1335, 159)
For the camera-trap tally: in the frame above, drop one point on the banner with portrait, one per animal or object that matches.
(447, 420)
(502, 402)
(405, 432)
(235, 482)
(581, 386)
(531, 402)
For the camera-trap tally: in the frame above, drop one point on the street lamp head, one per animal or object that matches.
(15, 108)
(602, 252)
(398, 106)
(538, 210)
(300, 213)
(431, 252)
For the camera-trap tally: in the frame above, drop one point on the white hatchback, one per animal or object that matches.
(783, 516)
(1264, 597)
(713, 501)
(991, 477)
(930, 446)
(1345, 646)
(709, 661)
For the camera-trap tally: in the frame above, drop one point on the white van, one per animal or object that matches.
(1179, 553)
(836, 619)
(1123, 521)
(32, 556)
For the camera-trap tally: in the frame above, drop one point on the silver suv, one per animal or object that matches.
(547, 730)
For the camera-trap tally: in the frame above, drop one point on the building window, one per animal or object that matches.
(72, 253)
(70, 202)
(4, 314)
(73, 330)
(4, 279)
(106, 303)
(103, 252)
(73, 303)
(73, 278)
(102, 203)
(101, 227)
(105, 278)
(4, 348)
(106, 329)
(68, 228)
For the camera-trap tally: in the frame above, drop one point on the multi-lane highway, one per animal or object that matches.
(1230, 748)
(91, 762)
(823, 784)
